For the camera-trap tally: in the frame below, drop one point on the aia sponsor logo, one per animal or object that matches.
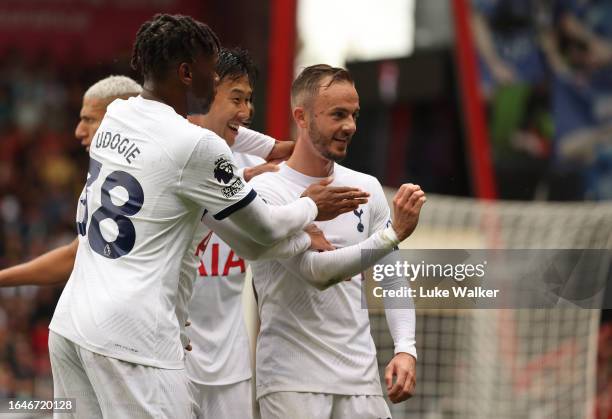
(214, 263)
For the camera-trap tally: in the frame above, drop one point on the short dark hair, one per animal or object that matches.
(235, 63)
(168, 39)
(308, 82)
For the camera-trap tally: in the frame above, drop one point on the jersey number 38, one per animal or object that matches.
(126, 237)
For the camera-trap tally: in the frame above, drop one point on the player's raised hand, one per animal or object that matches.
(250, 172)
(407, 205)
(334, 200)
(403, 367)
(318, 241)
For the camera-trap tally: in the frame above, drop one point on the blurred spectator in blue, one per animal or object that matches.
(580, 54)
(506, 34)
(514, 82)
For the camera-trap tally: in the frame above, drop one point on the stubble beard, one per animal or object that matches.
(321, 144)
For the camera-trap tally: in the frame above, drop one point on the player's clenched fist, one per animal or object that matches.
(334, 200)
(403, 368)
(407, 205)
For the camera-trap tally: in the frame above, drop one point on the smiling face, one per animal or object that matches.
(331, 119)
(230, 108)
(92, 113)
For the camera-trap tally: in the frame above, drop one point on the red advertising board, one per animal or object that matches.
(87, 30)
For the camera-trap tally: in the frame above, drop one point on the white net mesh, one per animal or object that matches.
(527, 363)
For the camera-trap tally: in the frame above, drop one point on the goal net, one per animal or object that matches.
(510, 363)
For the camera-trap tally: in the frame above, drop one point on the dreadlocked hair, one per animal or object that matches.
(235, 63)
(169, 39)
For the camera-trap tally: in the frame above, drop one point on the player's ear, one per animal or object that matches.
(185, 73)
(299, 116)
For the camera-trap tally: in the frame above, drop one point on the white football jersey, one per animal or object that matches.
(151, 176)
(221, 349)
(252, 143)
(311, 340)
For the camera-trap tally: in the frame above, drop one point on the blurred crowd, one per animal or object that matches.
(42, 171)
(546, 71)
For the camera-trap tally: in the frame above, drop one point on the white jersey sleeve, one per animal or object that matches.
(209, 179)
(249, 249)
(325, 269)
(268, 224)
(253, 143)
(401, 321)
